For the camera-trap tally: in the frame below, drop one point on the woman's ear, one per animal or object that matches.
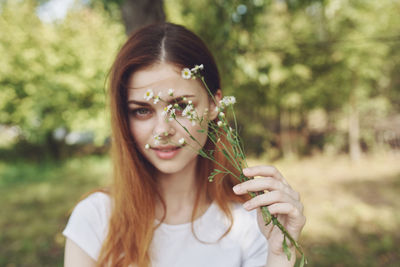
(213, 113)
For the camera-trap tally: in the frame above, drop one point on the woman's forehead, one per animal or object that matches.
(161, 78)
(154, 74)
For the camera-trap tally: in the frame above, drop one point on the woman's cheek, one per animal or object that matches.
(139, 131)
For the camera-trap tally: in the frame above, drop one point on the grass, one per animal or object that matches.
(352, 210)
(35, 204)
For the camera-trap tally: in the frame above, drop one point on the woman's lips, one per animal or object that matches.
(166, 152)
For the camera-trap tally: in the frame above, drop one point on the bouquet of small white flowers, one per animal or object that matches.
(232, 149)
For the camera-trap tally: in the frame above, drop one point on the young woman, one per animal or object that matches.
(161, 209)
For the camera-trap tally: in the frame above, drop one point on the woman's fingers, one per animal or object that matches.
(265, 183)
(285, 208)
(271, 198)
(266, 171)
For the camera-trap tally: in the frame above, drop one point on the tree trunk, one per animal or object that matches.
(354, 127)
(285, 134)
(138, 13)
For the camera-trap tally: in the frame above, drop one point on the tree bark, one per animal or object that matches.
(286, 134)
(138, 13)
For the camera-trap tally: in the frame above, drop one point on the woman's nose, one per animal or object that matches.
(164, 127)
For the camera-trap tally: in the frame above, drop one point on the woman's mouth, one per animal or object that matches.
(166, 152)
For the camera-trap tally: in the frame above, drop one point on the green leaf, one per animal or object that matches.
(212, 136)
(226, 154)
(202, 153)
(230, 140)
(286, 249)
(201, 131)
(302, 261)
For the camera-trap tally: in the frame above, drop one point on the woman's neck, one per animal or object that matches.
(178, 190)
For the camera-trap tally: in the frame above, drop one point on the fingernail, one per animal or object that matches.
(245, 170)
(236, 189)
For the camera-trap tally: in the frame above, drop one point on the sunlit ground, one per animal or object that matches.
(352, 209)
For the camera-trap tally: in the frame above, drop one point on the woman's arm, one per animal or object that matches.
(282, 201)
(74, 256)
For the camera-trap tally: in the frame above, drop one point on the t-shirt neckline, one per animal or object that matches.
(207, 213)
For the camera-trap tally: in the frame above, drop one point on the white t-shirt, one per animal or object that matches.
(175, 245)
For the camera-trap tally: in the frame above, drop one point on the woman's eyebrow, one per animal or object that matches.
(138, 103)
(171, 101)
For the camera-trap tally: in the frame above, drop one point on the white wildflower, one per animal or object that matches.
(186, 74)
(157, 98)
(181, 141)
(148, 95)
(166, 110)
(190, 102)
(170, 92)
(229, 100)
(219, 123)
(147, 146)
(197, 68)
(187, 111)
(157, 139)
(222, 115)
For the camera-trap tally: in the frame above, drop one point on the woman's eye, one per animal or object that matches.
(179, 109)
(141, 112)
(182, 106)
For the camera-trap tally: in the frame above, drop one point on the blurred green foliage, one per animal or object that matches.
(286, 60)
(300, 69)
(54, 74)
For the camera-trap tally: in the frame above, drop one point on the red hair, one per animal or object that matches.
(134, 191)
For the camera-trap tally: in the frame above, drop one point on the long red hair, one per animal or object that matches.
(134, 192)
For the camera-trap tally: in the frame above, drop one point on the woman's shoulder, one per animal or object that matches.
(88, 223)
(97, 204)
(98, 199)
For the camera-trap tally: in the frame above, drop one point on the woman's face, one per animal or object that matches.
(148, 120)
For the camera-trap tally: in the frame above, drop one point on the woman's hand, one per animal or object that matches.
(282, 201)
